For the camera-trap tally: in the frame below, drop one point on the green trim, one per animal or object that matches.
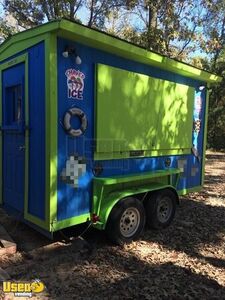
(136, 177)
(37, 221)
(191, 190)
(11, 63)
(16, 47)
(205, 134)
(147, 153)
(70, 222)
(109, 190)
(27, 215)
(26, 39)
(100, 40)
(51, 128)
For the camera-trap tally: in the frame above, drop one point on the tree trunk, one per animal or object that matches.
(152, 22)
(91, 13)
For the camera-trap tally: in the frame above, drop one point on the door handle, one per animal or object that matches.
(22, 148)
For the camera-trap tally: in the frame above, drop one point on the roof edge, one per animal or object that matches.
(30, 33)
(123, 48)
(112, 44)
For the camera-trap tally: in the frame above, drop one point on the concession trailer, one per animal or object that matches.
(95, 129)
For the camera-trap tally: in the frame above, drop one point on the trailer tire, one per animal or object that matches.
(160, 208)
(126, 221)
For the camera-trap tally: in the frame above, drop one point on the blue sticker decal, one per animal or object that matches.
(197, 120)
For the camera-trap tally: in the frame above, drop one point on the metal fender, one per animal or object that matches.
(112, 199)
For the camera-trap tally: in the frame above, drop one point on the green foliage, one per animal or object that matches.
(216, 122)
(169, 27)
(214, 45)
(172, 27)
(31, 13)
(176, 28)
(6, 29)
(213, 39)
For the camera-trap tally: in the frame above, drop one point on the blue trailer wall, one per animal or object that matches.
(36, 202)
(76, 201)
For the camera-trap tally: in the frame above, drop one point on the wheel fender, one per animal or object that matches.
(114, 198)
(175, 193)
(107, 208)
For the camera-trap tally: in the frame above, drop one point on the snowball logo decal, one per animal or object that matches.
(75, 83)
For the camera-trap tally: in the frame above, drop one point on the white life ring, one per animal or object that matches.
(72, 112)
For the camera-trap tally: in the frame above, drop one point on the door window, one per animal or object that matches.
(13, 107)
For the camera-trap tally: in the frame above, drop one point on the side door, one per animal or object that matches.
(13, 137)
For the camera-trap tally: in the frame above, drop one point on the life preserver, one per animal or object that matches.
(67, 121)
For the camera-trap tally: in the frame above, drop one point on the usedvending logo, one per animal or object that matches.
(23, 289)
(75, 83)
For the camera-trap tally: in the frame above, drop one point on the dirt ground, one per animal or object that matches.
(184, 261)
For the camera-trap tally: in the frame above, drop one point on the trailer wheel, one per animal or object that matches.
(161, 208)
(126, 221)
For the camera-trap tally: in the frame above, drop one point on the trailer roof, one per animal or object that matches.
(101, 40)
